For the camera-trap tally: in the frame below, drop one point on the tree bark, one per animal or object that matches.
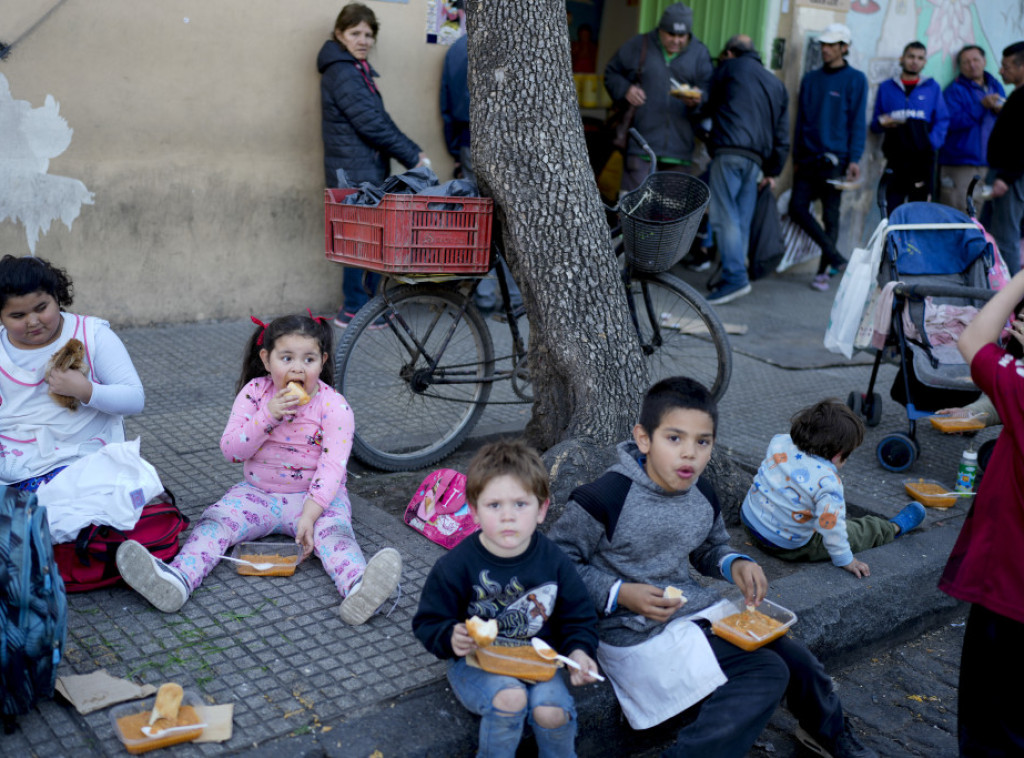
(530, 156)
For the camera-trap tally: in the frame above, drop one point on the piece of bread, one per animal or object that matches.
(671, 591)
(687, 90)
(294, 388)
(482, 632)
(168, 701)
(71, 357)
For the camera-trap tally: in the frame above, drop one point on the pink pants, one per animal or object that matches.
(246, 513)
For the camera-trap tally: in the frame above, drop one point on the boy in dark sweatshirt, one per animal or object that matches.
(511, 573)
(636, 531)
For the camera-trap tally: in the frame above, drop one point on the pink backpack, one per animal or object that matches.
(439, 510)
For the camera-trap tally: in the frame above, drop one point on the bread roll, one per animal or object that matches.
(295, 388)
(671, 591)
(168, 701)
(482, 632)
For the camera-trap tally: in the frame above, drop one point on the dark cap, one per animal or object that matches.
(677, 19)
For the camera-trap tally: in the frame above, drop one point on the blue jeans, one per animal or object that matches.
(500, 731)
(733, 197)
(352, 287)
(732, 717)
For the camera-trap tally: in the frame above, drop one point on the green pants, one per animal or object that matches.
(863, 532)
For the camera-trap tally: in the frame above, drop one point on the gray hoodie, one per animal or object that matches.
(652, 540)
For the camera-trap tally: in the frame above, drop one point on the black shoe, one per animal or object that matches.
(846, 745)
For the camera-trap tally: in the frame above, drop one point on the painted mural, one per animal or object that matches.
(881, 28)
(29, 195)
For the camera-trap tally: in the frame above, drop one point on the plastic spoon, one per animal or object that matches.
(545, 651)
(148, 730)
(257, 566)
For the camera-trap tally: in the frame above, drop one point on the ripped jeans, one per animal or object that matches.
(500, 731)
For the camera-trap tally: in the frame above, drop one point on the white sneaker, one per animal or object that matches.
(379, 580)
(162, 585)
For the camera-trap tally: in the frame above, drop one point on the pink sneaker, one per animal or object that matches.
(820, 283)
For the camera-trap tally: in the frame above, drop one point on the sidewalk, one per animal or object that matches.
(304, 683)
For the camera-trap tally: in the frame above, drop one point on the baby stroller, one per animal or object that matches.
(934, 274)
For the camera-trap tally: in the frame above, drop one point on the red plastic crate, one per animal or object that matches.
(410, 234)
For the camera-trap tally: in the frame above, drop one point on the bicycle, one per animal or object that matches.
(417, 362)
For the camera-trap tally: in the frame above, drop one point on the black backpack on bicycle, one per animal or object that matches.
(33, 606)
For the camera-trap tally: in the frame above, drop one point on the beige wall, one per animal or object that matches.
(197, 128)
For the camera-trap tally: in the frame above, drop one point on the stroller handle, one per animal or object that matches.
(921, 291)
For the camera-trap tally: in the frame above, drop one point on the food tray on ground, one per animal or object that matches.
(750, 630)
(129, 718)
(520, 661)
(955, 425)
(284, 555)
(929, 492)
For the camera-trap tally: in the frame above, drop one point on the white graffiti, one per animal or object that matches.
(29, 138)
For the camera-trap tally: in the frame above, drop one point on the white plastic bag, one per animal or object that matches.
(855, 294)
(107, 487)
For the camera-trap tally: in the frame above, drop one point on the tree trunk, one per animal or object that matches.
(530, 156)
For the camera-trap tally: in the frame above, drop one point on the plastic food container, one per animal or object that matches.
(929, 492)
(127, 717)
(954, 425)
(284, 555)
(734, 629)
(522, 662)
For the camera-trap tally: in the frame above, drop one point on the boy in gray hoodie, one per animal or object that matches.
(636, 531)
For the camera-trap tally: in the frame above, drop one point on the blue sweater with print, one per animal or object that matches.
(832, 115)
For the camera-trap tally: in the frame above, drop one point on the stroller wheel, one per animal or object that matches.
(897, 452)
(872, 409)
(855, 402)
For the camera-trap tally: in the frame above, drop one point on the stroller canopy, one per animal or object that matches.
(934, 250)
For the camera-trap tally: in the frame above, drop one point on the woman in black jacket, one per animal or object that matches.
(359, 136)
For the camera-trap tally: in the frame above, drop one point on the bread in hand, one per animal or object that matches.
(295, 388)
(671, 591)
(71, 357)
(482, 632)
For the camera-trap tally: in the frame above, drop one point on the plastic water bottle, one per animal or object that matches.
(967, 471)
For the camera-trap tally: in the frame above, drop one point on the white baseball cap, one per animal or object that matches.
(836, 33)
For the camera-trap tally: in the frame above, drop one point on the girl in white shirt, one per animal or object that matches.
(38, 436)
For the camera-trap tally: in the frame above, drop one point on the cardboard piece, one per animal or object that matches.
(91, 692)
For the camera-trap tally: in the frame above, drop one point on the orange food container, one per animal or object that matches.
(127, 718)
(731, 626)
(953, 425)
(929, 492)
(521, 661)
(284, 555)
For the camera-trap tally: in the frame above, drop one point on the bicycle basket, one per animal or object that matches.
(660, 219)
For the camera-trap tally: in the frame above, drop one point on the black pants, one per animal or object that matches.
(810, 183)
(732, 717)
(989, 720)
(907, 184)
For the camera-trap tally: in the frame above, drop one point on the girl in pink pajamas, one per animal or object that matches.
(294, 453)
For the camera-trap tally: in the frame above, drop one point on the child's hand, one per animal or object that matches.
(857, 568)
(649, 601)
(750, 578)
(1017, 330)
(462, 643)
(283, 403)
(587, 664)
(311, 511)
(70, 383)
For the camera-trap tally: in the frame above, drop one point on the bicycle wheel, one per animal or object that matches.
(409, 415)
(680, 335)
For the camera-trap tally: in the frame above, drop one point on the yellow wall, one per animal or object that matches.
(197, 128)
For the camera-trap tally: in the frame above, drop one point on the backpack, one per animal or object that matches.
(439, 510)
(33, 606)
(89, 562)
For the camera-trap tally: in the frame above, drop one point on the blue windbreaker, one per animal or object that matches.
(924, 103)
(970, 122)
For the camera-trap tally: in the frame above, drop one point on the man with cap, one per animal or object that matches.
(910, 112)
(749, 142)
(1002, 214)
(641, 73)
(828, 143)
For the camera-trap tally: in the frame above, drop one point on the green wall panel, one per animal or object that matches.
(714, 21)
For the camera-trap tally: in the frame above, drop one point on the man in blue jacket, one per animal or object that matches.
(910, 112)
(828, 143)
(973, 100)
(749, 143)
(1003, 214)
